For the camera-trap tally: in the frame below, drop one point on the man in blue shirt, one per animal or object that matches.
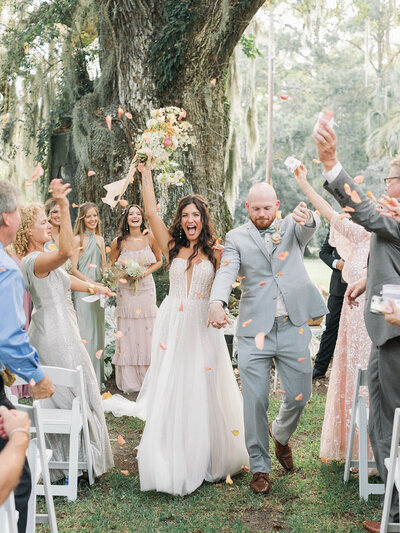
(16, 353)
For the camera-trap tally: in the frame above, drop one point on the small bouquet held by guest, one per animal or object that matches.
(124, 271)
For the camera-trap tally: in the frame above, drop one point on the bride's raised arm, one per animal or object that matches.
(317, 201)
(159, 229)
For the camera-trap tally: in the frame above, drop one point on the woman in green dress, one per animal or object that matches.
(88, 264)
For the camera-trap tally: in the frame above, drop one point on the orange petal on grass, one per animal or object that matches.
(198, 261)
(301, 359)
(301, 331)
(125, 472)
(262, 283)
(348, 209)
(138, 311)
(162, 346)
(91, 265)
(245, 468)
(99, 353)
(359, 179)
(355, 197)
(247, 322)
(228, 480)
(324, 460)
(259, 340)
(299, 397)
(121, 440)
(199, 294)
(108, 249)
(316, 161)
(371, 196)
(120, 112)
(108, 120)
(225, 263)
(91, 173)
(181, 307)
(128, 115)
(282, 256)
(123, 203)
(281, 391)
(347, 189)
(83, 341)
(235, 432)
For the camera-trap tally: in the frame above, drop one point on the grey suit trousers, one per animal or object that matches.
(286, 344)
(384, 397)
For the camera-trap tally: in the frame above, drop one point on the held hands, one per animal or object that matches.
(42, 389)
(10, 420)
(218, 316)
(326, 141)
(354, 291)
(302, 214)
(390, 207)
(60, 191)
(394, 316)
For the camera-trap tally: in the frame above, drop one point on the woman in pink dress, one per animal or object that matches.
(135, 312)
(353, 344)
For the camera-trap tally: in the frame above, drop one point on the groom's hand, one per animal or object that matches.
(217, 316)
(302, 214)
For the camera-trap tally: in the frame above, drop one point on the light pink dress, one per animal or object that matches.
(135, 319)
(22, 391)
(353, 344)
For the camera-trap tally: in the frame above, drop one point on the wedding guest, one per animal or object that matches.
(88, 264)
(14, 428)
(54, 330)
(136, 311)
(337, 288)
(52, 210)
(353, 344)
(383, 268)
(16, 353)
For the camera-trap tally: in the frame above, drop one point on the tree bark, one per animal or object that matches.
(127, 29)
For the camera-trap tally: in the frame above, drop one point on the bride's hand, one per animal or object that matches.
(300, 175)
(60, 191)
(142, 167)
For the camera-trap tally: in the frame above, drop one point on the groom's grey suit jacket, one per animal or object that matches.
(384, 253)
(246, 254)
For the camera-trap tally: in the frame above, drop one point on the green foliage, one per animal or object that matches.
(248, 46)
(167, 53)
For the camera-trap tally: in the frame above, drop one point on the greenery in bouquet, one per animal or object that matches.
(166, 132)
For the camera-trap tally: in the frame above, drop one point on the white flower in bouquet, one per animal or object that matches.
(133, 269)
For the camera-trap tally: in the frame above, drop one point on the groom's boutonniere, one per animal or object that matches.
(276, 237)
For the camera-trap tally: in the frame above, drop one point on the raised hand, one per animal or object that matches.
(326, 141)
(354, 291)
(390, 207)
(302, 214)
(60, 191)
(300, 175)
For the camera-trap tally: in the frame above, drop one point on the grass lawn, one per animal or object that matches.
(311, 499)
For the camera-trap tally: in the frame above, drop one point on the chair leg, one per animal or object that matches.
(349, 451)
(32, 460)
(73, 464)
(363, 450)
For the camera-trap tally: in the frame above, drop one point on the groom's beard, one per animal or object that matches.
(262, 223)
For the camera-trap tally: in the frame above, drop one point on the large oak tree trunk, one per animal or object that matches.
(203, 34)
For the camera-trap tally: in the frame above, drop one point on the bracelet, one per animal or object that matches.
(22, 430)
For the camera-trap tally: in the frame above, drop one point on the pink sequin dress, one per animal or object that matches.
(135, 315)
(353, 344)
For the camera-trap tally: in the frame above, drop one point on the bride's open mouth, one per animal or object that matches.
(191, 230)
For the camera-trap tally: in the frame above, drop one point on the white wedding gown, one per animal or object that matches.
(190, 399)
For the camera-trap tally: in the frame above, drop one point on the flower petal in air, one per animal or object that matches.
(239, 278)
(162, 346)
(128, 115)
(284, 96)
(75, 205)
(301, 331)
(247, 322)
(281, 391)
(259, 340)
(199, 294)
(235, 432)
(235, 284)
(37, 172)
(280, 274)
(108, 120)
(316, 161)
(181, 307)
(123, 280)
(299, 397)
(262, 283)
(83, 341)
(123, 203)
(121, 440)
(245, 468)
(138, 311)
(284, 320)
(213, 81)
(91, 173)
(225, 263)
(371, 196)
(91, 265)
(207, 367)
(282, 256)
(99, 353)
(198, 261)
(120, 112)
(2, 269)
(118, 335)
(355, 197)
(359, 179)
(106, 395)
(347, 189)
(301, 359)
(108, 249)
(348, 209)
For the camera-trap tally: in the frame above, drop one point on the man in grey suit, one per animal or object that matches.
(277, 299)
(383, 268)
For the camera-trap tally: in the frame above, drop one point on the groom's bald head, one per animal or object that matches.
(262, 205)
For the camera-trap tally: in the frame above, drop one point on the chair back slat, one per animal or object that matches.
(63, 376)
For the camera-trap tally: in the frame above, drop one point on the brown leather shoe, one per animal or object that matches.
(260, 484)
(373, 527)
(283, 453)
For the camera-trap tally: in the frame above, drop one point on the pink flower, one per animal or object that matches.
(167, 141)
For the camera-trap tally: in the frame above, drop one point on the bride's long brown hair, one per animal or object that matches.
(178, 236)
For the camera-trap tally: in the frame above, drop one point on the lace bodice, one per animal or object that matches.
(202, 279)
(145, 256)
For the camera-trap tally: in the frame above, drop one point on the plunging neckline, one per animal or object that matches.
(189, 285)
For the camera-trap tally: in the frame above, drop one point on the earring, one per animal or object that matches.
(180, 235)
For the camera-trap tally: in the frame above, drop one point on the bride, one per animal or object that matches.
(189, 399)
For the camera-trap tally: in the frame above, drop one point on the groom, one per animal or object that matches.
(277, 299)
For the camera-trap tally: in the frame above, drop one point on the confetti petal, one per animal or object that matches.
(282, 256)
(158, 206)
(199, 294)
(123, 280)
(259, 340)
(359, 179)
(239, 278)
(123, 203)
(118, 335)
(262, 283)
(348, 209)
(247, 322)
(284, 96)
(83, 341)
(108, 249)
(235, 284)
(120, 112)
(355, 197)
(245, 468)
(299, 397)
(121, 440)
(316, 161)
(218, 241)
(324, 460)
(125, 472)
(2, 269)
(138, 311)
(235, 432)
(213, 82)
(108, 120)
(145, 231)
(162, 346)
(99, 353)
(280, 274)
(228, 480)
(347, 189)
(301, 359)
(280, 391)
(181, 307)
(207, 367)
(198, 261)
(128, 115)
(91, 173)
(75, 205)
(37, 172)
(225, 263)
(301, 331)
(106, 395)
(286, 318)
(91, 265)
(371, 196)
(278, 214)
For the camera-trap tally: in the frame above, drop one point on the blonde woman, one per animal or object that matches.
(54, 330)
(88, 264)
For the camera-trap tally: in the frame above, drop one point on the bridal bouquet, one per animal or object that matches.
(125, 271)
(165, 133)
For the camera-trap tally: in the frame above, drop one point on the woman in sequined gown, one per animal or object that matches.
(353, 344)
(54, 330)
(190, 399)
(135, 311)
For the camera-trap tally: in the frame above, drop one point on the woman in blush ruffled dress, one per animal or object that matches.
(54, 330)
(136, 311)
(88, 264)
(353, 345)
(52, 210)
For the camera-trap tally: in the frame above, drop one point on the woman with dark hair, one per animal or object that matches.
(88, 264)
(190, 399)
(136, 311)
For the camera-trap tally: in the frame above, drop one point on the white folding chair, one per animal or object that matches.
(38, 459)
(9, 516)
(359, 420)
(392, 464)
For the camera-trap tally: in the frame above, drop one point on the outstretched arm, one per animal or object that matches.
(317, 201)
